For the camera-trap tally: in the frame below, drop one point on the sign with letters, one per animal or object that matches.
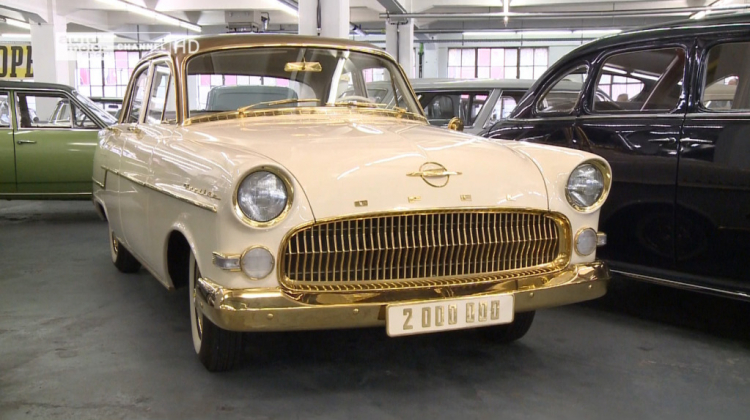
(15, 61)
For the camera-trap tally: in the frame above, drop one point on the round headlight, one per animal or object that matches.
(585, 187)
(257, 262)
(262, 196)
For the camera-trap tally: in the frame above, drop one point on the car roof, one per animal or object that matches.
(716, 24)
(13, 84)
(421, 85)
(182, 50)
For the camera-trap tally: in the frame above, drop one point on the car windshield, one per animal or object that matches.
(96, 109)
(255, 79)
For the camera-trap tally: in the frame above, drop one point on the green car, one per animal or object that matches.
(48, 134)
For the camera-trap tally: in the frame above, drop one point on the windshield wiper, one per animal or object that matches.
(273, 103)
(358, 104)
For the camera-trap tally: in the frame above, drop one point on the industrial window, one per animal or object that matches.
(497, 63)
(105, 74)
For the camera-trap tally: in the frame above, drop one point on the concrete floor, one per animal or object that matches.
(79, 340)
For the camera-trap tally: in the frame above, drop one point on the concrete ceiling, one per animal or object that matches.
(219, 16)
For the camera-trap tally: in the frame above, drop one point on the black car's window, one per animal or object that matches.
(137, 97)
(440, 107)
(5, 114)
(726, 86)
(562, 96)
(504, 105)
(161, 104)
(640, 81)
(41, 110)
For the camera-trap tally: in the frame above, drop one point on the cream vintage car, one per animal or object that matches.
(288, 207)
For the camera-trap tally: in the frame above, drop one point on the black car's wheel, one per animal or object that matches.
(217, 349)
(508, 333)
(123, 259)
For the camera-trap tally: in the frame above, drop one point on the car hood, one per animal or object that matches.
(360, 165)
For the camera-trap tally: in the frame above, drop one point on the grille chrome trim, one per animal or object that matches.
(424, 248)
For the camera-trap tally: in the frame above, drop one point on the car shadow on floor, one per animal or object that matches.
(717, 316)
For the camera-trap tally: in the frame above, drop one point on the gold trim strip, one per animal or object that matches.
(100, 184)
(198, 204)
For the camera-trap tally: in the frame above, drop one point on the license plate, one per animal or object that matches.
(448, 314)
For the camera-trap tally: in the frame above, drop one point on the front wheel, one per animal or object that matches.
(218, 349)
(509, 333)
(121, 257)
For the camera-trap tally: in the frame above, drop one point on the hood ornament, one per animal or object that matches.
(434, 174)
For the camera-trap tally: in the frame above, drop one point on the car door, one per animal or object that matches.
(549, 117)
(134, 167)
(633, 117)
(713, 182)
(7, 146)
(53, 156)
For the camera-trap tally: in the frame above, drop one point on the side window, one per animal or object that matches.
(162, 92)
(726, 86)
(562, 96)
(43, 110)
(5, 114)
(82, 120)
(446, 105)
(137, 97)
(640, 81)
(503, 106)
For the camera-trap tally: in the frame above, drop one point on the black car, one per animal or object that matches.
(675, 127)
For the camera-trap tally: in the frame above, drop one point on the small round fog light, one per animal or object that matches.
(585, 241)
(257, 262)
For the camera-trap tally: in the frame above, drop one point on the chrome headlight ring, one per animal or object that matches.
(282, 180)
(606, 180)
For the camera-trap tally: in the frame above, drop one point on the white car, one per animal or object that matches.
(316, 211)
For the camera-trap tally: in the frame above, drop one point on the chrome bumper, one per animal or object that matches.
(273, 309)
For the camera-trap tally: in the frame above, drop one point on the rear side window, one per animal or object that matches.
(562, 96)
(726, 86)
(640, 81)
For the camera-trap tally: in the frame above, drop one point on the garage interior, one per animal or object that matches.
(78, 339)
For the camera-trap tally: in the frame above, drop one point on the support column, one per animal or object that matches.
(399, 42)
(49, 51)
(334, 18)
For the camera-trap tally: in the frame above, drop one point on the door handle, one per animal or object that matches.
(25, 142)
(666, 140)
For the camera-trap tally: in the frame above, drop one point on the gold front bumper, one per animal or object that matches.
(274, 309)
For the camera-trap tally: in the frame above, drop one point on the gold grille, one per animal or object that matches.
(385, 251)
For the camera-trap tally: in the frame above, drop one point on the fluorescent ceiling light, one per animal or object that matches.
(24, 36)
(643, 76)
(704, 13)
(174, 37)
(506, 10)
(614, 70)
(489, 33)
(17, 23)
(151, 14)
(597, 32)
(286, 8)
(545, 33)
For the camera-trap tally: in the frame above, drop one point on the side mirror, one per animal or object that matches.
(456, 124)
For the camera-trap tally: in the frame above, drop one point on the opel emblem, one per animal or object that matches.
(434, 174)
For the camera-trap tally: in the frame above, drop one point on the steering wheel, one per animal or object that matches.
(81, 123)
